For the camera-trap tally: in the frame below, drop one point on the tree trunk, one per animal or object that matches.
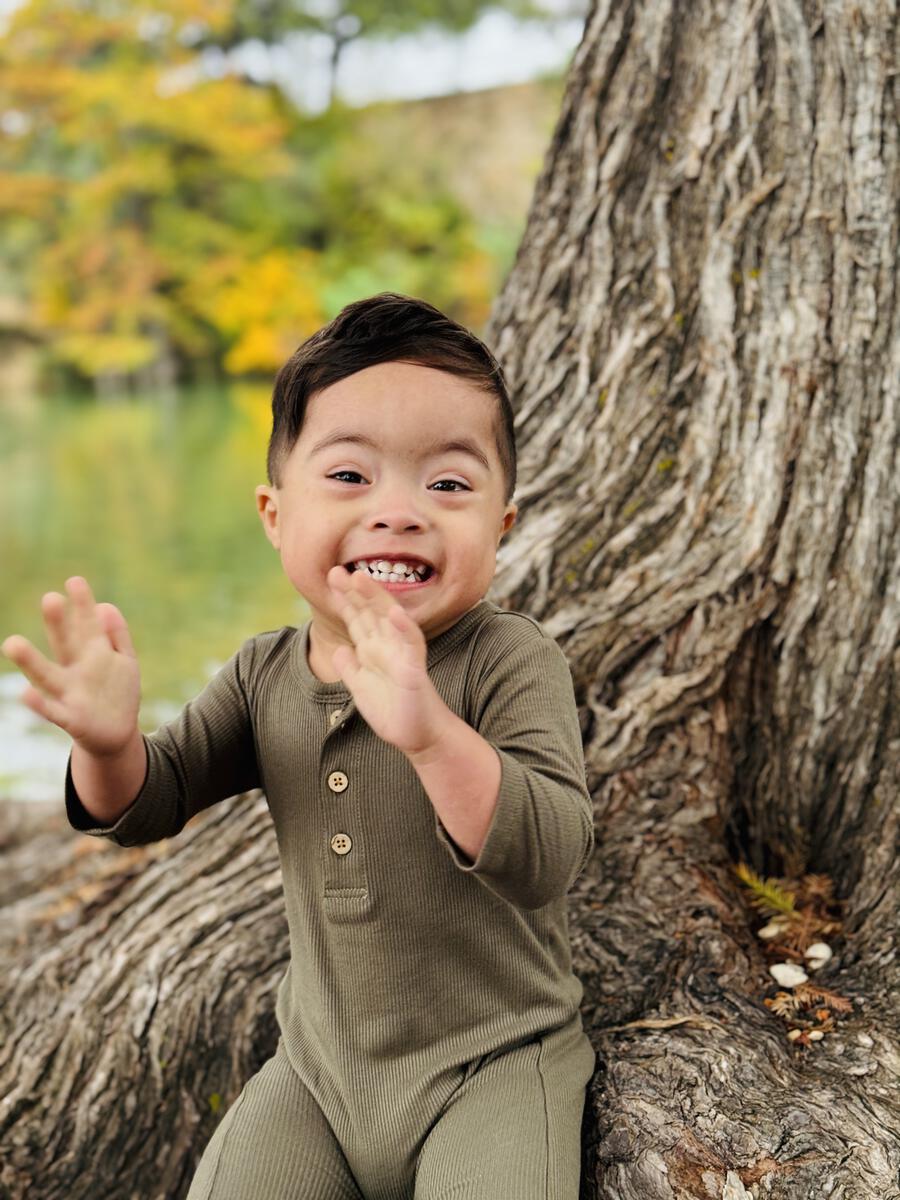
(142, 997)
(702, 333)
(701, 337)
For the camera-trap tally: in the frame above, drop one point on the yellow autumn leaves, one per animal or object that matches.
(154, 211)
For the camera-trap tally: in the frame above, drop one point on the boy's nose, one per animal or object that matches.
(398, 513)
(395, 505)
(399, 522)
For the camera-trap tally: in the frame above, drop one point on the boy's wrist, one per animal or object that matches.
(109, 755)
(438, 722)
(108, 784)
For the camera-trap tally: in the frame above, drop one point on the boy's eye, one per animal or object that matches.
(455, 481)
(356, 474)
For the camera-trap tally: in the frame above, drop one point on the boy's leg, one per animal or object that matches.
(513, 1130)
(274, 1143)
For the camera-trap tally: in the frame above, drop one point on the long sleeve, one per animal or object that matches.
(541, 833)
(204, 755)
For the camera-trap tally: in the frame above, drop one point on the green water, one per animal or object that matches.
(151, 498)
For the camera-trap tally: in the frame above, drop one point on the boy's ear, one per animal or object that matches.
(267, 506)
(509, 518)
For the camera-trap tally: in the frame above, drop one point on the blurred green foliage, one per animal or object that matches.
(158, 222)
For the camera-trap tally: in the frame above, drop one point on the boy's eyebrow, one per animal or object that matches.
(462, 445)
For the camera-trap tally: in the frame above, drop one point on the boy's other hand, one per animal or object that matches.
(93, 689)
(386, 669)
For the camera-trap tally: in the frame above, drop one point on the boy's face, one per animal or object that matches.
(390, 505)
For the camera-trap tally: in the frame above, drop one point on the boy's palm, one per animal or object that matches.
(93, 689)
(386, 670)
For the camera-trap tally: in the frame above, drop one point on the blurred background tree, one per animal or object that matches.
(164, 215)
(343, 21)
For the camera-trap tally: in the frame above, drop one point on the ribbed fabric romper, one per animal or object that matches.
(431, 1041)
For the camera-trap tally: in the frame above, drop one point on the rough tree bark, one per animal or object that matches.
(701, 334)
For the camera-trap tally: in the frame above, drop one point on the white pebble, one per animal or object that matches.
(817, 955)
(788, 974)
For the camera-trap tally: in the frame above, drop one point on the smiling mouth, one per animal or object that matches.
(409, 579)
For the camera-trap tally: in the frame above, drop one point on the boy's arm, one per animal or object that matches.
(461, 773)
(509, 792)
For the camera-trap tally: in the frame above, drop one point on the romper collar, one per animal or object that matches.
(437, 648)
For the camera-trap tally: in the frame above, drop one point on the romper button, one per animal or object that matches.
(341, 843)
(335, 716)
(337, 781)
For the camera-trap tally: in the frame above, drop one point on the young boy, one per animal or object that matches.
(419, 748)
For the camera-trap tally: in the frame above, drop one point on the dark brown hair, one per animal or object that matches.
(385, 328)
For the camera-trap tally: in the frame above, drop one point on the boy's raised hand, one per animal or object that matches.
(386, 669)
(93, 689)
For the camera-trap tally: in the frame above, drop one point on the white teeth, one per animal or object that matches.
(393, 572)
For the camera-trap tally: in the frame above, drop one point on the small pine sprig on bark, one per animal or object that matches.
(809, 994)
(769, 895)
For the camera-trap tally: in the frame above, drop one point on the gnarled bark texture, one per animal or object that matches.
(702, 337)
(702, 332)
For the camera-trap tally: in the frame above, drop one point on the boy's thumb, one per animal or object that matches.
(116, 629)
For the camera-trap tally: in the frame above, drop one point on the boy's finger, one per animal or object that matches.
(34, 666)
(407, 627)
(370, 595)
(338, 578)
(360, 621)
(53, 610)
(48, 709)
(84, 615)
(352, 601)
(373, 590)
(116, 628)
(360, 589)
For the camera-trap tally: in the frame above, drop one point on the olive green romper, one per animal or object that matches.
(431, 1044)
